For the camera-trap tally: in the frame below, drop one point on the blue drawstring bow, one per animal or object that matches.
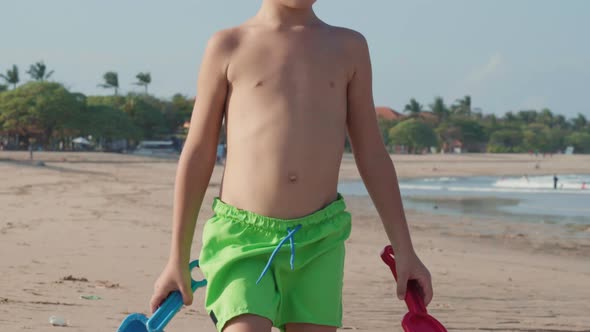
(290, 234)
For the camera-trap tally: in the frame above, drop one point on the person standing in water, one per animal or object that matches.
(555, 180)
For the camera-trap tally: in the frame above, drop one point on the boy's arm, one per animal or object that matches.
(195, 167)
(199, 152)
(377, 170)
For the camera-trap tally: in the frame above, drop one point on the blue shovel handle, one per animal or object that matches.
(171, 305)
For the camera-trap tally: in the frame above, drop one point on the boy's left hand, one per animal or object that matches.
(409, 267)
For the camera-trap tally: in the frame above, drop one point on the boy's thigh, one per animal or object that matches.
(234, 297)
(303, 327)
(248, 323)
(313, 293)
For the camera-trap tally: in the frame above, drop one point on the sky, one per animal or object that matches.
(507, 55)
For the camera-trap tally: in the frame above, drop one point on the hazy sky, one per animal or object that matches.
(507, 54)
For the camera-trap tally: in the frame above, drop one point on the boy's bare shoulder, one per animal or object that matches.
(224, 41)
(347, 33)
(349, 37)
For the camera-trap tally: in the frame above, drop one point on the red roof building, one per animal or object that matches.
(387, 113)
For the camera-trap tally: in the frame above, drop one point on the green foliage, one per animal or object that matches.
(472, 132)
(462, 107)
(144, 79)
(539, 137)
(384, 127)
(40, 109)
(183, 105)
(38, 71)
(113, 101)
(111, 81)
(439, 109)
(147, 114)
(47, 112)
(414, 134)
(414, 108)
(526, 130)
(11, 76)
(104, 121)
(580, 141)
(506, 140)
(152, 117)
(579, 122)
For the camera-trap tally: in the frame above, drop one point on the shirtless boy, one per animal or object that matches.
(290, 88)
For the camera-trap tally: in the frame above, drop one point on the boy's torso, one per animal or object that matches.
(286, 118)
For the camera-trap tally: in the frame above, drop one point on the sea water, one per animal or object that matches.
(524, 198)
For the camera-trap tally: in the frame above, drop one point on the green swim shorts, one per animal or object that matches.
(289, 271)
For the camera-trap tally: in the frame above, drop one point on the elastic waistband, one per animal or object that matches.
(222, 209)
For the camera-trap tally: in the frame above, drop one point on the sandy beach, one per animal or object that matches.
(90, 224)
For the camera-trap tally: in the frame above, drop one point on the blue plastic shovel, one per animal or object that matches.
(140, 323)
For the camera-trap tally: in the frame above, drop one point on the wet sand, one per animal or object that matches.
(99, 224)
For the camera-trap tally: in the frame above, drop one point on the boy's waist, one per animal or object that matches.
(329, 211)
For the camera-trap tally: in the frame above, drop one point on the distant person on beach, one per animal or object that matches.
(555, 180)
(290, 88)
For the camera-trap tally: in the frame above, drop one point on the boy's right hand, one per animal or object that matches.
(176, 276)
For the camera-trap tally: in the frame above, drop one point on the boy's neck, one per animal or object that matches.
(273, 13)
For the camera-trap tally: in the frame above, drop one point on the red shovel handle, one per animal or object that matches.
(413, 299)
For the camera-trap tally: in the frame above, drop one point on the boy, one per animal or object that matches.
(290, 87)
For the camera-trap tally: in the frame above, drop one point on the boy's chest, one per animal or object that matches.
(290, 65)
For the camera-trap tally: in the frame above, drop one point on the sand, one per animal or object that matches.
(99, 224)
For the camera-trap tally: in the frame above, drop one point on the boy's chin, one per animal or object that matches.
(297, 4)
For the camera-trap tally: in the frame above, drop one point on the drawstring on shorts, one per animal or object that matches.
(290, 235)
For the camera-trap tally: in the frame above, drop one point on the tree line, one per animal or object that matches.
(48, 113)
(460, 125)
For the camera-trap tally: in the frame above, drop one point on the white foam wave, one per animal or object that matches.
(571, 182)
(495, 189)
(441, 179)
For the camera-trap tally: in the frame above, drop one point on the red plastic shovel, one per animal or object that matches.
(417, 319)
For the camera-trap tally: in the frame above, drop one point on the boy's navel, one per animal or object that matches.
(292, 178)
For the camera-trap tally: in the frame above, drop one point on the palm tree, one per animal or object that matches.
(111, 81)
(11, 76)
(510, 117)
(439, 108)
(463, 106)
(144, 79)
(580, 122)
(414, 108)
(546, 117)
(38, 71)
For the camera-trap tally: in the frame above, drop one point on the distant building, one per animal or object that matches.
(387, 113)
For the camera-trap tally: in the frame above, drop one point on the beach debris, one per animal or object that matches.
(90, 297)
(57, 321)
(106, 284)
(51, 303)
(72, 278)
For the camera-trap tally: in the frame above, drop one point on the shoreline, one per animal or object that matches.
(456, 165)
